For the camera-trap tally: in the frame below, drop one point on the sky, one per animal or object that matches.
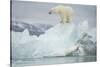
(37, 12)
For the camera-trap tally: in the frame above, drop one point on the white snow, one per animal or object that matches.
(57, 41)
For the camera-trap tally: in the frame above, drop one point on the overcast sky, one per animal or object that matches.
(37, 12)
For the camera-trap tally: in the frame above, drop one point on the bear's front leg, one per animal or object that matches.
(67, 19)
(61, 21)
(64, 20)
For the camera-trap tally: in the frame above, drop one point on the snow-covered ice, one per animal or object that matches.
(59, 40)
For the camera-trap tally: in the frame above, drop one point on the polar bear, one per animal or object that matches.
(65, 12)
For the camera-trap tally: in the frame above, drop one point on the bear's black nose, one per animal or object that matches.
(49, 12)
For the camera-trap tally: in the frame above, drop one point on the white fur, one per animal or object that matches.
(65, 13)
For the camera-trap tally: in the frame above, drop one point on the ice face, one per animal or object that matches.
(59, 40)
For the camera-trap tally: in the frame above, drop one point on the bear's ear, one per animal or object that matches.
(58, 11)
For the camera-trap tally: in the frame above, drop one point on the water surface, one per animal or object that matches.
(52, 60)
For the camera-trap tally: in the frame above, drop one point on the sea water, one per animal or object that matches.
(52, 60)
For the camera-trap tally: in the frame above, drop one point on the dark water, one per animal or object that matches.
(52, 60)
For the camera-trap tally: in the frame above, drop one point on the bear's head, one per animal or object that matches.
(56, 9)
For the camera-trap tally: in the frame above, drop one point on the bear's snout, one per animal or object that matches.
(49, 12)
